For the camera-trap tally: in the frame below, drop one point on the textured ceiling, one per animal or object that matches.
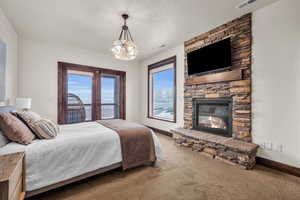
(95, 24)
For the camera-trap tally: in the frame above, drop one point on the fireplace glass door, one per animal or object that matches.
(210, 116)
(213, 116)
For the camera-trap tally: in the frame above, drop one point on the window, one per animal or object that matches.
(3, 55)
(89, 93)
(109, 97)
(162, 90)
(79, 104)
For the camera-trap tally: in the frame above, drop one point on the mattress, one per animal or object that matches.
(78, 149)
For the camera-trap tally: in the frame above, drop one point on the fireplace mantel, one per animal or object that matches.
(233, 75)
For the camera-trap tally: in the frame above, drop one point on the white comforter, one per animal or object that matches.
(78, 149)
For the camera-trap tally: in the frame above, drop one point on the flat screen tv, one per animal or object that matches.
(212, 58)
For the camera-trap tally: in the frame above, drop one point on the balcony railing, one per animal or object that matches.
(79, 112)
(109, 111)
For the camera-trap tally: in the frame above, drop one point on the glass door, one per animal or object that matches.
(110, 97)
(89, 93)
(79, 96)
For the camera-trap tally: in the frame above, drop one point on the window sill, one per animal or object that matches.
(165, 120)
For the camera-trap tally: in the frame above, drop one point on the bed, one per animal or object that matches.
(79, 151)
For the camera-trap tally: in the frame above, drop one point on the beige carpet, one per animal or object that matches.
(183, 175)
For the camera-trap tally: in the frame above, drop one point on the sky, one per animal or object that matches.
(107, 92)
(163, 85)
(163, 81)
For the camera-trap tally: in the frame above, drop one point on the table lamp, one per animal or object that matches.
(23, 104)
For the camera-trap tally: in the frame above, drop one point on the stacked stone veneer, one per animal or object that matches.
(239, 30)
(240, 93)
(229, 150)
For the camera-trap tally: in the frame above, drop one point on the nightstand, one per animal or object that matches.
(12, 176)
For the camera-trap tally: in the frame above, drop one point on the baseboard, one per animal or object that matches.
(279, 166)
(161, 131)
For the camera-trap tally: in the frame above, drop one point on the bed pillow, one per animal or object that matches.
(14, 129)
(45, 129)
(3, 140)
(28, 118)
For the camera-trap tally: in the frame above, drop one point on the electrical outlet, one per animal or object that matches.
(272, 147)
(269, 146)
(279, 147)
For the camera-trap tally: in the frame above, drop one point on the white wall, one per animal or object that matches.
(179, 52)
(10, 37)
(276, 82)
(38, 74)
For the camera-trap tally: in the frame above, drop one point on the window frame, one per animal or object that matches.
(62, 90)
(162, 63)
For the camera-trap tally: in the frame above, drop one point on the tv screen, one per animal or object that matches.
(214, 57)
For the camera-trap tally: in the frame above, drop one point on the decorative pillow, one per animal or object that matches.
(28, 118)
(3, 140)
(22, 120)
(45, 129)
(14, 129)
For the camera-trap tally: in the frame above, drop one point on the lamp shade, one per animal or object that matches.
(23, 103)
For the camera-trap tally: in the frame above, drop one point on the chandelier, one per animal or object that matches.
(124, 48)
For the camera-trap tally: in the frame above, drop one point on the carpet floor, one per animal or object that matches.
(184, 175)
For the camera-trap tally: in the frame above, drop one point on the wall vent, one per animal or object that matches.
(245, 3)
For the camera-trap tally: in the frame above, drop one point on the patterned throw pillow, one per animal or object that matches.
(45, 129)
(14, 129)
(28, 118)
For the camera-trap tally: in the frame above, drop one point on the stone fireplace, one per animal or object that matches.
(234, 85)
(217, 106)
(213, 116)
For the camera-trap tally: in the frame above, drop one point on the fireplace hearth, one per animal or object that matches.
(213, 116)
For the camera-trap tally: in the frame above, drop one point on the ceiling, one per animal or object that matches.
(95, 24)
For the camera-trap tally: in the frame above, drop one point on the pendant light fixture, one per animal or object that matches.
(124, 48)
